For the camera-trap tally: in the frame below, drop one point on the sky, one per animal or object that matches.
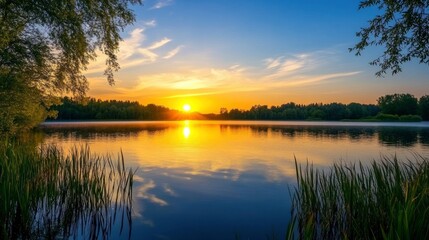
(237, 54)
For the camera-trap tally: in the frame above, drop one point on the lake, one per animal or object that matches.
(229, 179)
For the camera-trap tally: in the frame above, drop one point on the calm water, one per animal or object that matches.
(223, 179)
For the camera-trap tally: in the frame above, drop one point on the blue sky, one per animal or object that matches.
(236, 54)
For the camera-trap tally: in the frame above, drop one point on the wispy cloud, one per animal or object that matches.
(143, 192)
(159, 44)
(162, 4)
(134, 52)
(301, 69)
(173, 52)
(306, 80)
(198, 82)
(275, 74)
(129, 45)
(151, 23)
(146, 52)
(192, 79)
(237, 68)
(169, 190)
(272, 62)
(199, 94)
(281, 67)
(279, 72)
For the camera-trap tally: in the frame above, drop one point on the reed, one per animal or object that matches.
(47, 193)
(388, 199)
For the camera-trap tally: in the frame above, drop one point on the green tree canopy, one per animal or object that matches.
(424, 107)
(398, 104)
(402, 28)
(45, 45)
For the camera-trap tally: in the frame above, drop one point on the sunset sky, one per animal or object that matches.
(236, 54)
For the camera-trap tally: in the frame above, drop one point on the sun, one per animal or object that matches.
(186, 107)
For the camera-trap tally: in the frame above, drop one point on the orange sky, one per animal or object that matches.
(179, 53)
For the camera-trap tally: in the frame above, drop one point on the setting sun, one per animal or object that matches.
(186, 107)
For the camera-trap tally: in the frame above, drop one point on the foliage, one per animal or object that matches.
(399, 104)
(424, 107)
(22, 107)
(386, 200)
(126, 110)
(401, 27)
(45, 45)
(410, 118)
(387, 117)
(395, 118)
(292, 111)
(111, 110)
(46, 194)
(394, 107)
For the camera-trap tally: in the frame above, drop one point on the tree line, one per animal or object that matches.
(96, 109)
(293, 111)
(395, 107)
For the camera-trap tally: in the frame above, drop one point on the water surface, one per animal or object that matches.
(228, 179)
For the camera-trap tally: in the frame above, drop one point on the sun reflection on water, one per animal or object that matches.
(237, 147)
(186, 131)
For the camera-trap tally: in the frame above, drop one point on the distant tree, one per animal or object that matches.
(402, 28)
(317, 114)
(290, 114)
(398, 104)
(45, 45)
(335, 111)
(424, 107)
(235, 114)
(355, 110)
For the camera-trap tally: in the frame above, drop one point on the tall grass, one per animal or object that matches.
(385, 200)
(48, 194)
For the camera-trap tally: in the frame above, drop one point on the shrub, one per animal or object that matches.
(410, 118)
(387, 117)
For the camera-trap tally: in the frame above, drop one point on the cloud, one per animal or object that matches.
(279, 73)
(305, 80)
(151, 23)
(301, 69)
(282, 67)
(252, 85)
(162, 3)
(133, 52)
(143, 192)
(173, 52)
(169, 190)
(237, 68)
(201, 94)
(127, 49)
(209, 78)
(272, 63)
(130, 44)
(159, 44)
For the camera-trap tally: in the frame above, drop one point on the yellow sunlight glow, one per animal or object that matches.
(186, 108)
(186, 132)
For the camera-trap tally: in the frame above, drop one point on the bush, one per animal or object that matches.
(410, 118)
(387, 117)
